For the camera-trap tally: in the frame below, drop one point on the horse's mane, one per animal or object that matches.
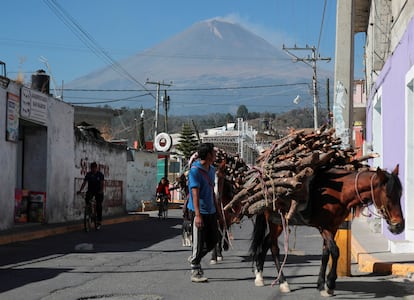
(393, 183)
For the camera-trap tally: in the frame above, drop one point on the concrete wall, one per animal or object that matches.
(112, 162)
(391, 83)
(60, 157)
(8, 162)
(53, 158)
(141, 179)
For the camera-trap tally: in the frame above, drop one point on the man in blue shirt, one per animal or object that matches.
(203, 208)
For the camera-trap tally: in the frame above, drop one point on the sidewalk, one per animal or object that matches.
(370, 250)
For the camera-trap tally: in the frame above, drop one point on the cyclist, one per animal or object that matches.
(95, 180)
(163, 193)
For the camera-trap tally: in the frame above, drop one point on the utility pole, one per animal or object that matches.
(310, 61)
(328, 102)
(157, 104)
(166, 102)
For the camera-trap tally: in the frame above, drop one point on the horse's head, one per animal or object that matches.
(388, 200)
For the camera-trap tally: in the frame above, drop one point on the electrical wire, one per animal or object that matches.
(90, 42)
(110, 101)
(320, 31)
(192, 89)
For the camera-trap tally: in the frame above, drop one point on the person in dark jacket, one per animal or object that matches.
(95, 180)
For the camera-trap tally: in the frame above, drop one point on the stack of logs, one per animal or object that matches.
(233, 167)
(282, 171)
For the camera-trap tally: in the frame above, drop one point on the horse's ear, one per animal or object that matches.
(395, 172)
(381, 175)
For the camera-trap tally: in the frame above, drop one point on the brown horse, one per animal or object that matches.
(224, 193)
(332, 194)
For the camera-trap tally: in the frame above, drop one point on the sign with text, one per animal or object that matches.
(12, 120)
(33, 106)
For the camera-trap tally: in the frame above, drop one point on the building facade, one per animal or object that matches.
(389, 76)
(45, 158)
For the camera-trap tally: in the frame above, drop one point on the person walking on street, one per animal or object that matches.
(203, 208)
(95, 180)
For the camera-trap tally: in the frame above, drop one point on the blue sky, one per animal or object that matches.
(126, 27)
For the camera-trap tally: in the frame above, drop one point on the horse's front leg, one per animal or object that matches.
(329, 249)
(259, 263)
(332, 275)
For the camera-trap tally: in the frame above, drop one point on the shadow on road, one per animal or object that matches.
(14, 278)
(122, 237)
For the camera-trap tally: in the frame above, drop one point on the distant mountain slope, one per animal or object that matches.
(214, 65)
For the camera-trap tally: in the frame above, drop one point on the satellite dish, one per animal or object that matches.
(296, 100)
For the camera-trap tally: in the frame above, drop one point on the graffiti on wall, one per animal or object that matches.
(85, 167)
(112, 193)
(338, 111)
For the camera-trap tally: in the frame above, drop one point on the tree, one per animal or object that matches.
(242, 112)
(229, 118)
(188, 142)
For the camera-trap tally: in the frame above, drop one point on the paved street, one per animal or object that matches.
(146, 260)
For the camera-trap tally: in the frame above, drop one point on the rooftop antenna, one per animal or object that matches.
(44, 60)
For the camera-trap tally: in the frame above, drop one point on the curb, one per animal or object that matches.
(45, 232)
(368, 263)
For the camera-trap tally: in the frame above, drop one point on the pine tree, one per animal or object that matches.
(188, 142)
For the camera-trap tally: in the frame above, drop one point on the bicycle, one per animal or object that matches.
(163, 202)
(90, 216)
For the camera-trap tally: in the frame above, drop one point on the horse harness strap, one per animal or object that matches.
(382, 210)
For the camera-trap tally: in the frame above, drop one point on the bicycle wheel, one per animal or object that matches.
(87, 220)
(165, 209)
(160, 208)
(94, 218)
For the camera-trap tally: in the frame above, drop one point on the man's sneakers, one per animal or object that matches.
(198, 276)
(98, 226)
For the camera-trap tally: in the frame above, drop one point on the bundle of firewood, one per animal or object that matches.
(279, 178)
(233, 168)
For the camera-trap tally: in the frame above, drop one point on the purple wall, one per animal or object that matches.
(392, 81)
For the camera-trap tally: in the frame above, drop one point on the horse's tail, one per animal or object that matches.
(258, 238)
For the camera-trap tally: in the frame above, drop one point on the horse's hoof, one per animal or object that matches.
(259, 282)
(327, 293)
(284, 287)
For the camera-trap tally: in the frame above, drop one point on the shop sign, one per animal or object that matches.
(34, 106)
(12, 120)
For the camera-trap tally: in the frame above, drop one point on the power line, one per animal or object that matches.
(320, 31)
(89, 41)
(192, 89)
(109, 101)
